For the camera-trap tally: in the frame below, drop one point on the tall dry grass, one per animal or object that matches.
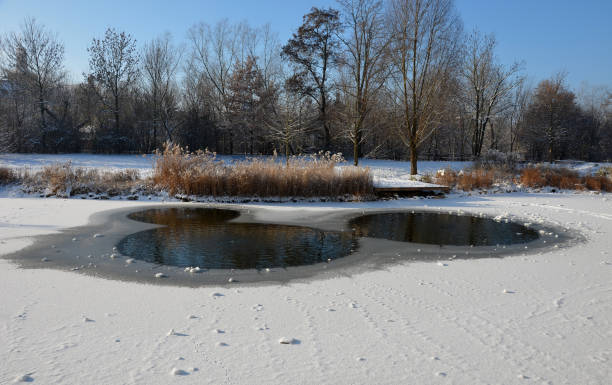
(467, 180)
(179, 171)
(7, 175)
(563, 178)
(63, 179)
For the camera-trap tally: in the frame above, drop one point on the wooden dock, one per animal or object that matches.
(411, 191)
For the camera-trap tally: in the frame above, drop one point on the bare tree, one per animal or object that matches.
(366, 43)
(269, 57)
(161, 61)
(314, 50)
(286, 124)
(425, 36)
(550, 114)
(516, 116)
(33, 59)
(214, 53)
(487, 87)
(113, 63)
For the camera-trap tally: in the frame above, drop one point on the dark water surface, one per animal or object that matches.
(202, 237)
(206, 237)
(441, 229)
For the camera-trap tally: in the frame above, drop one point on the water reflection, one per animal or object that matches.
(203, 237)
(441, 229)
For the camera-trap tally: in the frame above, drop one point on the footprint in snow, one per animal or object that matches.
(289, 341)
(179, 372)
(221, 344)
(216, 295)
(24, 378)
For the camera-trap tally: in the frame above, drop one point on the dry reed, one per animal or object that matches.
(563, 178)
(202, 174)
(7, 175)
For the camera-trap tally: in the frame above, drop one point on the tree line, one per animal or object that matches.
(396, 79)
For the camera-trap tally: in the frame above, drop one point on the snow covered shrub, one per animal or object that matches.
(494, 159)
(475, 179)
(7, 176)
(446, 177)
(63, 180)
(532, 177)
(561, 178)
(605, 171)
(427, 178)
(179, 171)
(598, 183)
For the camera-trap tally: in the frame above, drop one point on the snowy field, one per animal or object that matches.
(535, 318)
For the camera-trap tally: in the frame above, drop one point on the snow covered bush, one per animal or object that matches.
(466, 180)
(446, 177)
(563, 178)
(475, 179)
(7, 176)
(64, 180)
(494, 159)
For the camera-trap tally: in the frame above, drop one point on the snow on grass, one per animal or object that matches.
(109, 162)
(388, 173)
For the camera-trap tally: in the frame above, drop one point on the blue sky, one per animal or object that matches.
(549, 36)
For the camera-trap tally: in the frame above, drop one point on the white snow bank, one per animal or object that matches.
(553, 323)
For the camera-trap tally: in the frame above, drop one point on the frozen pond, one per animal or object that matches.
(210, 238)
(441, 229)
(206, 237)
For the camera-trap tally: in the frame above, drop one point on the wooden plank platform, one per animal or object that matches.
(411, 190)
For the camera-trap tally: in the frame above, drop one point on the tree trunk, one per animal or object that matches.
(413, 157)
(326, 134)
(43, 123)
(356, 148)
(116, 112)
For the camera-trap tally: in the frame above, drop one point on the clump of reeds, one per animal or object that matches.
(200, 173)
(563, 178)
(466, 180)
(446, 177)
(475, 179)
(7, 175)
(62, 179)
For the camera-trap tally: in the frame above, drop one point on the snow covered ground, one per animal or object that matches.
(538, 317)
(111, 162)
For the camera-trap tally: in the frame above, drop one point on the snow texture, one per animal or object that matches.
(539, 317)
